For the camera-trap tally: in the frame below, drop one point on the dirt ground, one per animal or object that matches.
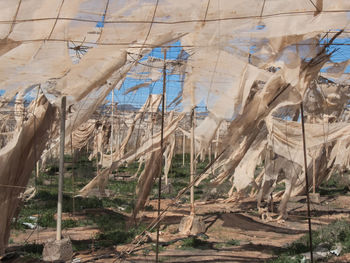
(256, 240)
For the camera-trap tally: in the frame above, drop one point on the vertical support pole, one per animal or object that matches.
(166, 175)
(217, 142)
(118, 132)
(162, 150)
(61, 169)
(183, 149)
(97, 165)
(112, 126)
(213, 168)
(209, 153)
(37, 169)
(192, 161)
(72, 151)
(313, 175)
(306, 180)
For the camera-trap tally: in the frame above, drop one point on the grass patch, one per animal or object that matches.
(327, 237)
(117, 236)
(195, 243)
(229, 243)
(233, 242)
(336, 185)
(286, 259)
(81, 245)
(336, 232)
(32, 251)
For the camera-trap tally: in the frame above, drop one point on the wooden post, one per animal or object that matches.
(306, 180)
(118, 133)
(313, 174)
(183, 149)
(162, 150)
(209, 153)
(192, 160)
(217, 142)
(165, 174)
(37, 169)
(112, 126)
(61, 168)
(72, 151)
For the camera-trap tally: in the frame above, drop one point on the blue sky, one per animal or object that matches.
(343, 52)
(138, 98)
(174, 82)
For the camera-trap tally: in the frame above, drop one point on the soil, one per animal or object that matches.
(255, 240)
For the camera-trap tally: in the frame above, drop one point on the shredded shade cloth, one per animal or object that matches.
(241, 53)
(285, 137)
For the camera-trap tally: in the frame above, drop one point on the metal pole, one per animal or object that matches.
(37, 169)
(118, 132)
(313, 174)
(161, 148)
(192, 161)
(209, 153)
(112, 127)
(61, 168)
(217, 142)
(306, 181)
(183, 149)
(73, 170)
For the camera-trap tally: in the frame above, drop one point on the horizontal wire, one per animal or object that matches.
(311, 12)
(137, 46)
(50, 188)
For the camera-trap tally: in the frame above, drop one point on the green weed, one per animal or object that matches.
(233, 242)
(195, 243)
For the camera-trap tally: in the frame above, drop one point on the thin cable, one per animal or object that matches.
(306, 181)
(150, 28)
(293, 13)
(262, 9)
(206, 12)
(13, 23)
(58, 15)
(103, 21)
(317, 9)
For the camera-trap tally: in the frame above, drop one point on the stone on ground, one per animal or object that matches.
(58, 250)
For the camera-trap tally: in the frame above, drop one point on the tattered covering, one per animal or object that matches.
(229, 50)
(285, 137)
(81, 136)
(148, 147)
(245, 171)
(153, 169)
(39, 40)
(34, 37)
(18, 158)
(150, 106)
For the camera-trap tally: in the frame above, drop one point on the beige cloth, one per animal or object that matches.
(18, 159)
(153, 169)
(81, 136)
(150, 146)
(37, 47)
(286, 137)
(35, 34)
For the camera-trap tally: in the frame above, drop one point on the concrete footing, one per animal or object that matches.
(58, 250)
(192, 225)
(315, 198)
